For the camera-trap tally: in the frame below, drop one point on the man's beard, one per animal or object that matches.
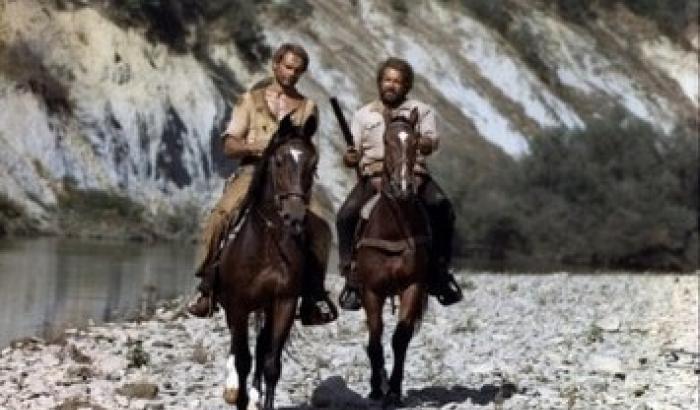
(392, 98)
(286, 82)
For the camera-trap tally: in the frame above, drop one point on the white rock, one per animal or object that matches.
(482, 368)
(609, 324)
(604, 364)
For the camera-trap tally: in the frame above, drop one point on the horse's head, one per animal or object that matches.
(400, 145)
(291, 160)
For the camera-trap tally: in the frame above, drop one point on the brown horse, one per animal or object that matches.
(261, 267)
(392, 255)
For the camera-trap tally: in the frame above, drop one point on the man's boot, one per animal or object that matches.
(349, 298)
(204, 305)
(443, 286)
(316, 307)
(441, 283)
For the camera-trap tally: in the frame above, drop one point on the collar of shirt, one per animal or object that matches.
(378, 107)
(278, 103)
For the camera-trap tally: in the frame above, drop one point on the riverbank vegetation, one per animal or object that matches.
(617, 194)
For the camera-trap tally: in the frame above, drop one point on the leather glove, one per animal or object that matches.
(351, 157)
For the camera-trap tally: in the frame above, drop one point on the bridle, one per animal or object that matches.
(401, 185)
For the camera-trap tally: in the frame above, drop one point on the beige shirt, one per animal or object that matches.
(367, 128)
(257, 114)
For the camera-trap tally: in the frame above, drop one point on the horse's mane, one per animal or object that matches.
(399, 118)
(255, 190)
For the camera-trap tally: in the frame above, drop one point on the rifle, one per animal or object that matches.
(344, 129)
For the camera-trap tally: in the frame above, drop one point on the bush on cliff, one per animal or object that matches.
(615, 195)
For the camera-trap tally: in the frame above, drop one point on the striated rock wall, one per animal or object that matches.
(90, 104)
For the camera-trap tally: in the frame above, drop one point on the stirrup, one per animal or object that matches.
(317, 312)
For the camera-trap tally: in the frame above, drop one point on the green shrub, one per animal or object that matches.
(95, 204)
(614, 195)
(10, 212)
(576, 11)
(24, 63)
(188, 24)
(401, 7)
(672, 16)
(493, 13)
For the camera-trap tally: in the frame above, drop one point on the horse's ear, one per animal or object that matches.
(286, 127)
(310, 126)
(413, 118)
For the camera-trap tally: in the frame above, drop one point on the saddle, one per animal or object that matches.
(389, 246)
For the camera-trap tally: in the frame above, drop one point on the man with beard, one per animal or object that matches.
(394, 81)
(254, 121)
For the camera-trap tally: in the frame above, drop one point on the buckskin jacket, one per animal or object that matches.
(256, 116)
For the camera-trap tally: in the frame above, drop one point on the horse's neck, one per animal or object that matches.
(262, 208)
(260, 239)
(266, 222)
(395, 220)
(253, 217)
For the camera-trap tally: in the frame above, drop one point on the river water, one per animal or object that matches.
(49, 284)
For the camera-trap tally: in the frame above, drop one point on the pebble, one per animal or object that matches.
(543, 351)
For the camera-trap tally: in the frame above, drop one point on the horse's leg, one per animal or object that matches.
(282, 320)
(373, 304)
(238, 360)
(262, 345)
(410, 310)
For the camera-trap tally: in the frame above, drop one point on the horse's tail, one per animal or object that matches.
(424, 308)
(288, 348)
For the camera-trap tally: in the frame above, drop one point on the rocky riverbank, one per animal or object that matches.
(556, 341)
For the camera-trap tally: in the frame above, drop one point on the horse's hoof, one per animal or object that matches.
(392, 400)
(231, 395)
(376, 395)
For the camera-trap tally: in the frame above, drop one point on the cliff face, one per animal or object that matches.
(89, 104)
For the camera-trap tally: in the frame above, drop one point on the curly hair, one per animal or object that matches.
(399, 65)
(295, 49)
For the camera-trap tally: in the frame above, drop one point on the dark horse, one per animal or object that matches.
(392, 255)
(261, 267)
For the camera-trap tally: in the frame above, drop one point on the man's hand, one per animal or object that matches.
(351, 157)
(425, 145)
(236, 147)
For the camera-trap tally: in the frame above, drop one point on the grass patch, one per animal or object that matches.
(94, 204)
(9, 208)
(185, 25)
(24, 64)
(12, 217)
